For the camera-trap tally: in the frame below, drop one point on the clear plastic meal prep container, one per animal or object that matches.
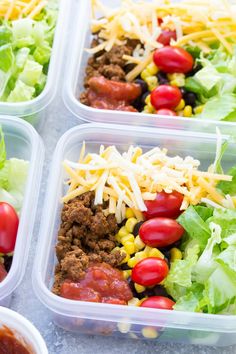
(126, 321)
(75, 73)
(33, 110)
(23, 142)
(23, 330)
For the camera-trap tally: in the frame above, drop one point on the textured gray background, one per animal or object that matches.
(59, 120)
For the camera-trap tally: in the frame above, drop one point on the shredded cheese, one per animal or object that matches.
(199, 23)
(128, 179)
(16, 9)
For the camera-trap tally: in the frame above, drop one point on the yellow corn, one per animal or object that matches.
(152, 69)
(132, 262)
(134, 302)
(199, 109)
(139, 243)
(175, 254)
(140, 255)
(123, 232)
(139, 288)
(130, 224)
(118, 238)
(149, 332)
(148, 109)
(127, 238)
(156, 253)
(188, 111)
(129, 247)
(115, 249)
(145, 74)
(148, 100)
(176, 79)
(152, 82)
(127, 257)
(129, 213)
(181, 105)
(126, 273)
(124, 327)
(147, 249)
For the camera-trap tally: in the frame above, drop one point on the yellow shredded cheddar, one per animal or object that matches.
(16, 9)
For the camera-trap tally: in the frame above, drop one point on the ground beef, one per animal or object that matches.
(85, 236)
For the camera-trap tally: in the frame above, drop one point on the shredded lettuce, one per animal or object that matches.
(25, 51)
(13, 176)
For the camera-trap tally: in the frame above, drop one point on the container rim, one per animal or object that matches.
(107, 312)
(30, 200)
(38, 103)
(33, 336)
(89, 114)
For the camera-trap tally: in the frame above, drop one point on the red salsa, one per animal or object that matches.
(9, 344)
(101, 283)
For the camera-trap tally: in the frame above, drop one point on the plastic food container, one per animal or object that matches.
(23, 330)
(73, 87)
(22, 141)
(33, 110)
(126, 321)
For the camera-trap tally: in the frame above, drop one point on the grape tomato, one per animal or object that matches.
(173, 60)
(150, 271)
(160, 232)
(165, 96)
(158, 302)
(9, 222)
(165, 205)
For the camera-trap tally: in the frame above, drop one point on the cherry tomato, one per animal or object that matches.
(166, 112)
(165, 205)
(173, 60)
(166, 36)
(150, 271)
(8, 227)
(158, 302)
(165, 96)
(3, 272)
(159, 21)
(160, 232)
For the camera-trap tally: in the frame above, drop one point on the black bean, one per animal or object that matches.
(160, 291)
(162, 78)
(7, 262)
(138, 104)
(137, 227)
(124, 266)
(195, 70)
(143, 85)
(183, 91)
(129, 67)
(190, 99)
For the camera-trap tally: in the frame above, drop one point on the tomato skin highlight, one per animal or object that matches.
(173, 60)
(166, 112)
(3, 272)
(165, 205)
(150, 271)
(9, 222)
(158, 302)
(160, 232)
(165, 96)
(166, 36)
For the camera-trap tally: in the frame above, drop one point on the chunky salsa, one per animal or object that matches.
(9, 344)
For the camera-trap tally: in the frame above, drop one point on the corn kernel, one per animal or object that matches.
(148, 100)
(129, 247)
(147, 249)
(148, 109)
(152, 68)
(118, 238)
(199, 109)
(156, 253)
(134, 302)
(149, 332)
(127, 238)
(152, 82)
(181, 105)
(132, 262)
(139, 288)
(123, 232)
(139, 243)
(130, 224)
(115, 249)
(124, 327)
(145, 74)
(129, 213)
(127, 273)
(140, 255)
(176, 79)
(175, 254)
(126, 259)
(188, 111)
